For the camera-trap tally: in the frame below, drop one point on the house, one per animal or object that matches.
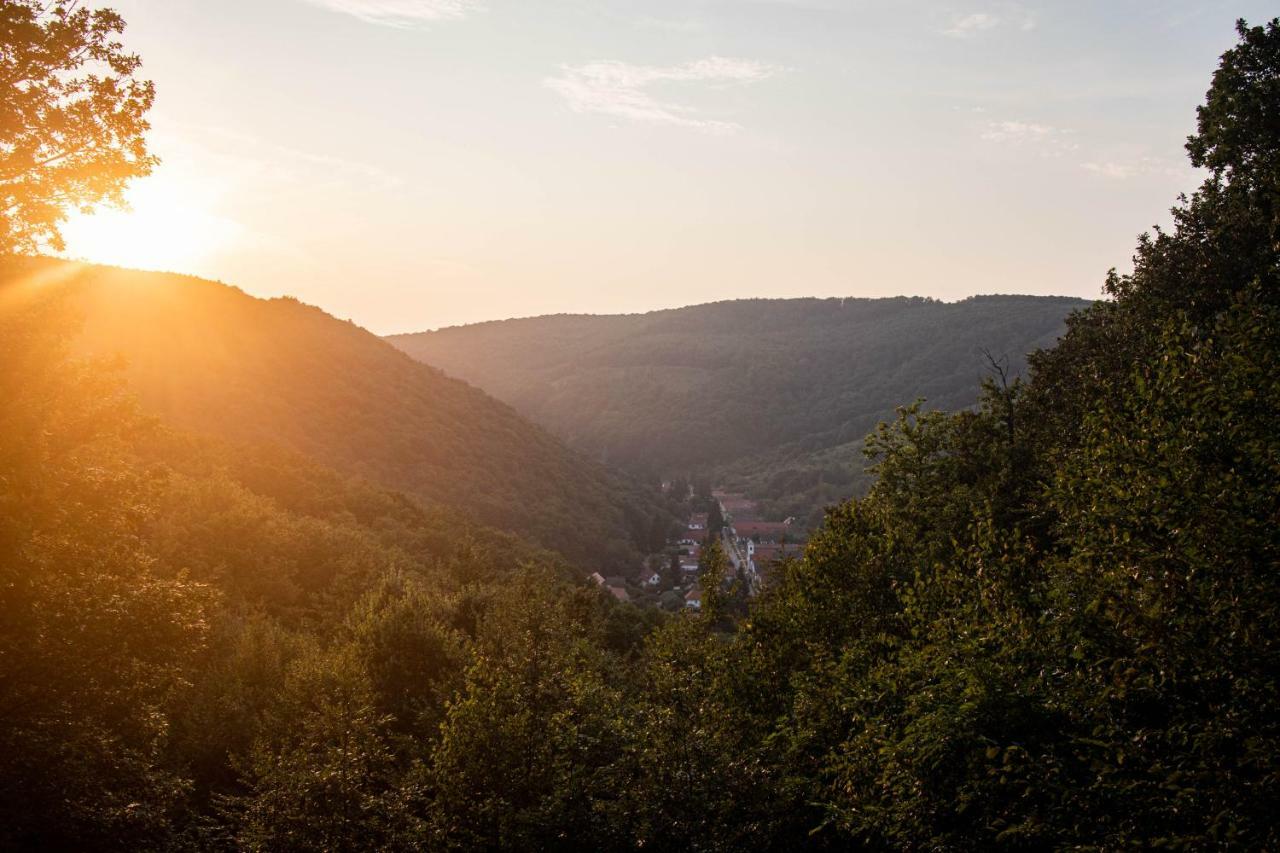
(596, 578)
(699, 521)
(693, 598)
(763, 531)
(768, 553)
(649, 577)
(671, 600)
(738, 507)
(619, 593)
(765, 556)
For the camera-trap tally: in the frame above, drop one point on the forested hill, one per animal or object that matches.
(208, 357)
(763, 386)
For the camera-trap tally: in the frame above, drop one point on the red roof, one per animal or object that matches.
(764, 529)
(769, 553)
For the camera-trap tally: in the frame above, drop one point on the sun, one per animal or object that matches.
(169, 226)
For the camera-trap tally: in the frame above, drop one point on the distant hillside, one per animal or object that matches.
(208, 357)
(774, 394)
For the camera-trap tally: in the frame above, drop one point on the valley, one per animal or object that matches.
(769, 397)
(937, 572)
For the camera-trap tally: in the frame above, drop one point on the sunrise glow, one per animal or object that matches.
(169, 225)
(639, 425)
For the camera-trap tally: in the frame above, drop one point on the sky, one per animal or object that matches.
(414, 164)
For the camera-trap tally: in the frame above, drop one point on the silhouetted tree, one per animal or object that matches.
(659, 531)
(715, 520)
(702, 488)
(72, 117)
(673, 574)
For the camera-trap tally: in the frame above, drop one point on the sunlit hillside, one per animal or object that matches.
(207, 357)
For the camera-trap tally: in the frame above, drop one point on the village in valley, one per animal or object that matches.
(673, 579)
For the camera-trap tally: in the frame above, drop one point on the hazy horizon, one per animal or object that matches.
(665, 308)
(419, 164)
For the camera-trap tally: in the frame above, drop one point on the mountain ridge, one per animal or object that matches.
(722, 386)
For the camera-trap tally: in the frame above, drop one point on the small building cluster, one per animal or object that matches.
(752, 546)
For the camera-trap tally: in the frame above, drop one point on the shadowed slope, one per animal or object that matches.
(767, 387)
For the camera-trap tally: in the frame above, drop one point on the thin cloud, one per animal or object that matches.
(402, 13)
(1109, 169)
(1049, 141)
(1124, 169)
(1017, 131)
(970, 24)
(619, 89)
(964, 26)
(258, 164)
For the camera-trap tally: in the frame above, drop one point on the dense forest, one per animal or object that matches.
(771, 396)
(210, 358)
(1051, 623)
